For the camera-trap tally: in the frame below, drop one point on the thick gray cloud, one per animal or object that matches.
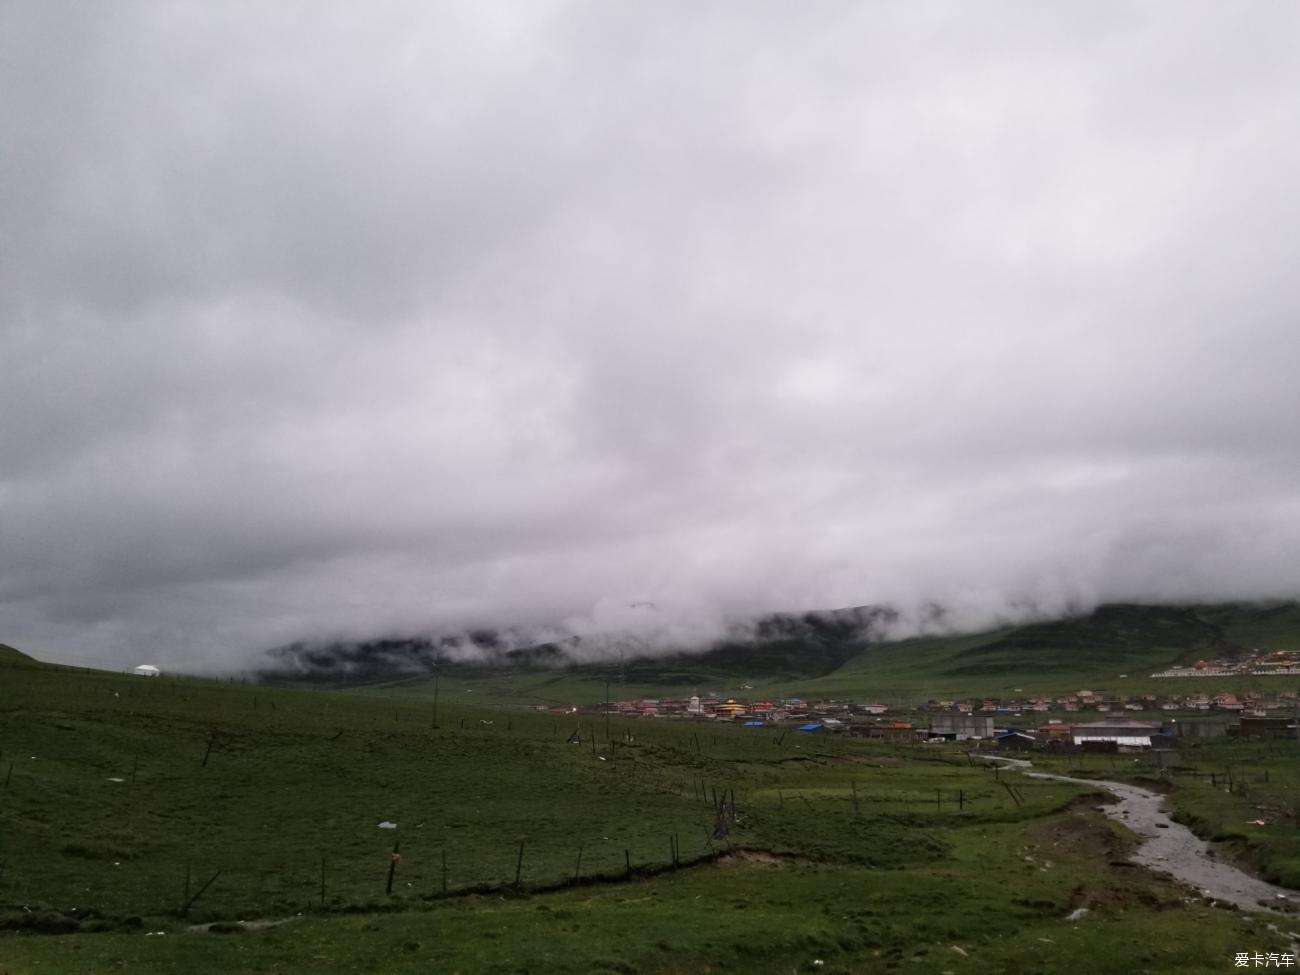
(343, 320)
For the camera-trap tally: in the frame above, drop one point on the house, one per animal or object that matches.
(959, 727)
(794, 708)
(147, 670)
(1267, 728)
(1013, 739)
(1120, 731)
(874, 708)
(1226, 702)
(730, 709)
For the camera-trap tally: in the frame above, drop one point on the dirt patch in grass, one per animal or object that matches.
(762, 857)
(1082, 829)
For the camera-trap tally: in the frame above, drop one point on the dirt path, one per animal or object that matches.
(1173, 848)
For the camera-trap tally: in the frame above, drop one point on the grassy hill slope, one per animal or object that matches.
(124, 798)
(1115, 647)
(14, 657)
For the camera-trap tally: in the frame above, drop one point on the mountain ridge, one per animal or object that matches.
(816, 645)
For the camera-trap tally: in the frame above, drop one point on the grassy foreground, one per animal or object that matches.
(128, 795)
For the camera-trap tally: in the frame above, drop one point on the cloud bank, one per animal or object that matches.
(327, 321)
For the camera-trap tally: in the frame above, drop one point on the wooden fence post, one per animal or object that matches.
(392, 867)
(185, 908)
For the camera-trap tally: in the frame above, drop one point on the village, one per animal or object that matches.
(1257, 663)
(1107, 722)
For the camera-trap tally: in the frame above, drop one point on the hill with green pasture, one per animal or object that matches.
(174, 825)
(1114, 647)
(13, 656)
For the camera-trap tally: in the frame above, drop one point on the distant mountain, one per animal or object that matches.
(802, 646)
(388, 658)
(778, 644)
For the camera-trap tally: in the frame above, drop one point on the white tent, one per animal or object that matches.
(147, 670)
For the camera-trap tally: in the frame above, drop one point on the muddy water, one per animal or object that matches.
(1173, 848)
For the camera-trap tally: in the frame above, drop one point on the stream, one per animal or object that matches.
(1173, 848)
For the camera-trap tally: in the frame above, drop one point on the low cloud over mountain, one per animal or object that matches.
(416, 319)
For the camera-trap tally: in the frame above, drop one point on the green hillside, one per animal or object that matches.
(1096, 648)
(1115, 647)
(533, 843)
(1266, 626)
(14, 656)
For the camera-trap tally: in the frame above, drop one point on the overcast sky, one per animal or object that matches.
(357, 319)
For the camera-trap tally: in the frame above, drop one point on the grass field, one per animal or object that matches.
(124, 796)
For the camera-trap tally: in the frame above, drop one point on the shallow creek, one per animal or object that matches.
(1172, 847)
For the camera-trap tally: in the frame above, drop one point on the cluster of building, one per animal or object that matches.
(1109, 734)
(793, 709)
(1104, 702)
(1278, 663)
(993, 721)
(729, 709)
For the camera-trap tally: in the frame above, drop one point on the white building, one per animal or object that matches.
(1134, 734)
(147, 670)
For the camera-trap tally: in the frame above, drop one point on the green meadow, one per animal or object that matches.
(142, 819)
